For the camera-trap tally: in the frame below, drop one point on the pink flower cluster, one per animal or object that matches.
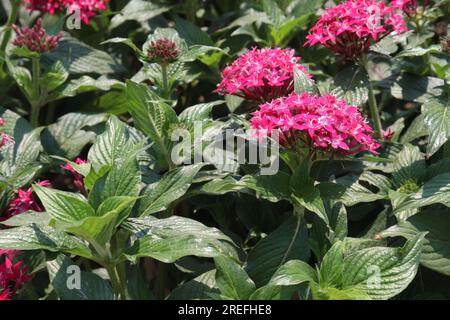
(35, 39)
(320, 122)
(352, 26)
(4, 138)
(86, 8)
(78, 181)
(24, 200)
(261, 74)
(13, 275)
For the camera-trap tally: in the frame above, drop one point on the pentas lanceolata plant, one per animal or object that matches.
(261, 74)
(144, 211)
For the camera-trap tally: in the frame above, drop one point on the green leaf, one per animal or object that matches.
(124, 179)
(63, 206)
(35, 237)
(302, 83)
(383, 273)
(84, 84)
(199, 288)
(436, 113)
(292, 273)
(173, 185)
(411, 87)
(92, 287)
(111, 145)
(352, 86)
(436, 245)
(232, 280)
(67, 137)
(199, 112)
(138, 10)
(273, 188)
(437, 190)
(305, 193)
(54, 77)
(170, 239)
(27, 218)
(409, 165)
(79, 58)
(173, 225)
(287, 242)
(152, 116)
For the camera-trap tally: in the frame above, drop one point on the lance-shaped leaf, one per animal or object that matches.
(287, 242)
(169, 188)
(436, 245)
(382, 273)
(100, 228)
(437, 190)
(436, 113)
(152, 116)
(232, 280)
(170, 239)
(63, 206)
(36, 237)
(81, 286)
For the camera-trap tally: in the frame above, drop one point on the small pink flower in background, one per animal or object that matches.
(13, 275)
(261, 74)
(86, 8)
(352, 26)
(35, 39)
(4, 138)
(323, 123)
(78, 181)
(163, 50)
(388, 134)
(24, 201)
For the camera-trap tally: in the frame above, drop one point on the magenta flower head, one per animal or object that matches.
(36, 38)
(261, 74)
(50, 6)
(85, 8)
(163, 51)
(323, 123)
(13, 275)
(25, 200)
(352, 26)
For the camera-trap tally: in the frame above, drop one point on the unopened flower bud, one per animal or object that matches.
(163, 50)
(35, 39)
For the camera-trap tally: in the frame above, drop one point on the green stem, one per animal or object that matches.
(374, 113)
(115, 282)
(35, 99)
(15, 5)
(165, 81)
(373, 107)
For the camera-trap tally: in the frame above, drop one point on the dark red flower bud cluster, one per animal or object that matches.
(163, 50)
(35, 39)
